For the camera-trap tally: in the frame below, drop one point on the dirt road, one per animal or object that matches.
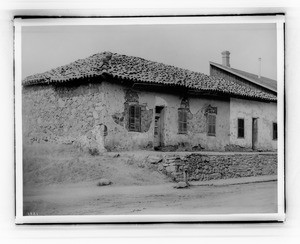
(88, 199)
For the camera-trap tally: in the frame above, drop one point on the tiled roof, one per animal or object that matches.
(262, 81)
(143, 71)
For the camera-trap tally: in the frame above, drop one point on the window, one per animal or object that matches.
(182, 121)
(211, 124)
(134, 118)
(274, 131)
(241, 128)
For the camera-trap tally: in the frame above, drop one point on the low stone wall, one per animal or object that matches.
(203, 167)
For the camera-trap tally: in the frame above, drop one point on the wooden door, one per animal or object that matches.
(158, 127)
(254, 133)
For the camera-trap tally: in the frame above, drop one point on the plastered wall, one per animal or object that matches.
(116, 95)
(266, 114)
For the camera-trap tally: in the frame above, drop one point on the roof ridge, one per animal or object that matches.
(161, 63)
(240, 70)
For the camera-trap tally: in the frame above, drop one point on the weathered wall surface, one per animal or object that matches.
(266, 113)
(203, 167)
(197, 123)
(70, 114)
(60, 114)
(117, 97)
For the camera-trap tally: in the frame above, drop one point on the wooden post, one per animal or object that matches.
(185, 174)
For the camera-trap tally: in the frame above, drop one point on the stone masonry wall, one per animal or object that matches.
(70, 114)
(203, 167)
(60, 114)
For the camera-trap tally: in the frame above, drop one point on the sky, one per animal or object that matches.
(185, 46)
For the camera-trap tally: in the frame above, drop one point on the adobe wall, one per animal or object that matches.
(266, 114)
(120, 138)
(115, 117)
(70, 115)
(60, 114)
(197, 124)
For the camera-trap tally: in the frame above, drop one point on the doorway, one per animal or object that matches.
(254, 133)
(158, 127)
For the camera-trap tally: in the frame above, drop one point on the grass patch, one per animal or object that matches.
(58, 164)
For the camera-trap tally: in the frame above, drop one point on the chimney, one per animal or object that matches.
(259, 67)
(226, 58)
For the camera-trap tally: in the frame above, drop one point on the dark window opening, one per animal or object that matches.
(182, 121)
(274, 131)
(134, 118)
(241, 128)
(211, 124)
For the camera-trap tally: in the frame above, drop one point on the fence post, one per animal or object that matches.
(185, 174)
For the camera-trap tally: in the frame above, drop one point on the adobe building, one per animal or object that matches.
(145, 105)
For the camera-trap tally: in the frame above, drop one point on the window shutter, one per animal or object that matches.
(182, 120)
(211, 122)
(137, 118)
(134, 118)
(179, 120)
(131, 118)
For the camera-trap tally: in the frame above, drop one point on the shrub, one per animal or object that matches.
(93, 151)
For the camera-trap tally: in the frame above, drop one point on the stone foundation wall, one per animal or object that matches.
(201, 167)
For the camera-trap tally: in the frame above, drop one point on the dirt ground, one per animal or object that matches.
(59, 180)
(154, 199)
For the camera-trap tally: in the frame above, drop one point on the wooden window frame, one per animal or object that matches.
(182, 121)
(238, 128)
(134, 118)
(209, 124)
(274, 135)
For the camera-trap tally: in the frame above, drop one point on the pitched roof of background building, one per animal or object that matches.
(144, 71)
(262, 81)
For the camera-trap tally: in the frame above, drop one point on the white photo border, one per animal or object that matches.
(279, 20)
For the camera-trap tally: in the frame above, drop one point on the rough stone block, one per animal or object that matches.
(181, 184)
(171, 169)
(104, 182)
(154, 159)
(95, 115)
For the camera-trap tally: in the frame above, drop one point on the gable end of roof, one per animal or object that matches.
(244, 75)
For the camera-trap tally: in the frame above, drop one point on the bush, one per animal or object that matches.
(93, 151)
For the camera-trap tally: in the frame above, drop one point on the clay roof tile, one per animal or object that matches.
(145, 71)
